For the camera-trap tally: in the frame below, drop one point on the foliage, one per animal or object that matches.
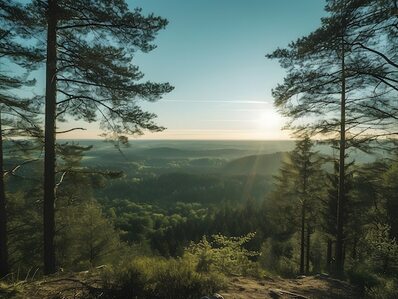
(159, 278)
(96, 77)
(338, 88)
(340, 84)
(383, 251)
(371, 285)
(87, 239)
(23, 231)
(280, 257)
(342, 58)
(17, 114)
(223, 254)
(362, 277)
(169, 228)
(186, 187)
(385, 289)
(299, 186)
(389, 190)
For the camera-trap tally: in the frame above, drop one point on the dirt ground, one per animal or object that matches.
(77, 285)
(304, 287)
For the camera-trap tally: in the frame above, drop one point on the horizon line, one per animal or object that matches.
(179, 139)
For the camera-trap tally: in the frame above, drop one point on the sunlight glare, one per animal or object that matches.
(269, 119)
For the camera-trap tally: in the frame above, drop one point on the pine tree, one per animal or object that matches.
(299, 180)
(376, 38)
(328, 88)
(329, 207)
(90, 76)
(16, 113)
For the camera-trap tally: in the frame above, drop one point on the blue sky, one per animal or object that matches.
(212, 52)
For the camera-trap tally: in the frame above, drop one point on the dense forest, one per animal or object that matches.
(179, 219)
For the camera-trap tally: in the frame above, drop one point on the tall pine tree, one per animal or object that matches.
(299, 179)
(16, 112)
(329, 86)
(90, 76)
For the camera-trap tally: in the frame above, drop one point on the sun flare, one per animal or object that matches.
(269, 119)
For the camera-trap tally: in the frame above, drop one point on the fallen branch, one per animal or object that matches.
(277, 293)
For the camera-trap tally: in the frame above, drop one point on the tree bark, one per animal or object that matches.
(307, 251)
(341, 193)
(302, 241)
(329, 256)
(354, 249)
(49, 139)
(4, 267)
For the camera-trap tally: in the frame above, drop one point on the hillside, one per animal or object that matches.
(265, 164)
(170, 152)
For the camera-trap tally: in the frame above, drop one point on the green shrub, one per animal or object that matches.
(383, 250)
(179, 280)
(362, 277)
(280, 257)
(386, 289)
(159, 278)
(223, 254)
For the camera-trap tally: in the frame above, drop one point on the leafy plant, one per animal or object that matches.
(160, 278)
(224, 254)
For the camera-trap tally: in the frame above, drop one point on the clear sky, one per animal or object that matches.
(212, 52)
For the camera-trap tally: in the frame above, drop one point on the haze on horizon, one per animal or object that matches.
(213, 53)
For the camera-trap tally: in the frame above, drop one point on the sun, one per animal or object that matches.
(269, 119)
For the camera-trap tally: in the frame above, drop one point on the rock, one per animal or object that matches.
(215, 296)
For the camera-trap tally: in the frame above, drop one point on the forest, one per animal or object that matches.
(121, 217)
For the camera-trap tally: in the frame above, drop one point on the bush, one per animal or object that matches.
(363, 278)
(279, 257)
(223, 254)
(386, 289)
(159, 278)
(383, 250)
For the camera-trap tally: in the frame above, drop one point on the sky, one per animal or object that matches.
(213, 53)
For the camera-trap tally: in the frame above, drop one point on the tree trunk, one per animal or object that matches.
(4, 267)
(354, 249)
(341, 193)
(329, 256)
(307, 251)
(49, 139)
(302, 241)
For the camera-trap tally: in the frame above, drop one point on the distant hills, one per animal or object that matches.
(172, 153)
(229, 158)
(166, 159)
(265, 164)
